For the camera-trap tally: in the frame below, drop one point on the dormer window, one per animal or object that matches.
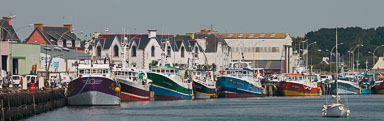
(77, 43)
(69, 43)
(60, 43)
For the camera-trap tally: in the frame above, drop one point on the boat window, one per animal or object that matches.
(87, 71)
(125, 73)
(172, 71)
(105, 71)
(99, 71)
(158, 71)
(167, 71)
(162, 71)
(81, 71)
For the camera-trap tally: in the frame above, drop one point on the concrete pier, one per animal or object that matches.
(271, 89)
(16, 105)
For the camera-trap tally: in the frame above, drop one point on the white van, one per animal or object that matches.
(16, 80)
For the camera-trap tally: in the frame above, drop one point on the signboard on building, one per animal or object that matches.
(56, 61)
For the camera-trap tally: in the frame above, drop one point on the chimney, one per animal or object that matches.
(69, 26)
(38, 25)
(192, 35)
(152, 33)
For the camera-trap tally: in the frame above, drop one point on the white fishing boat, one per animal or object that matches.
(336, 109)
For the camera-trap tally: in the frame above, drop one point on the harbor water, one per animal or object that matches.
(363, 107)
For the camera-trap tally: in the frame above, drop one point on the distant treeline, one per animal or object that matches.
(350, 37)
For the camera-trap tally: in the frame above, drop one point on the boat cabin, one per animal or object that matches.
(94, 70)
(239, 72)
(167, 70)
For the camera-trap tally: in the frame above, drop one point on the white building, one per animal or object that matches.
(143, 49)
(271, 51)
(215, 48)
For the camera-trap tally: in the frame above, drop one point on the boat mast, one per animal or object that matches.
(337, 93)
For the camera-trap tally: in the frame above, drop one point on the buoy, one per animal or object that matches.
(230, 80)
(117, 89)
(262, 88)
(250, 88)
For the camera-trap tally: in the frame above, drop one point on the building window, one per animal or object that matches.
(182, 52)
(153, 51)
(133, 51)
(275, 49)
(258, 49)
(98, 53)
(77, 43)
(69, 43)
(196, 52)
(169, 51)
(116, 51)
(60, 43)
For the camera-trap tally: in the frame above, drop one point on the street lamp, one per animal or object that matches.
(330, 56)
(353, 56)
(306, 59)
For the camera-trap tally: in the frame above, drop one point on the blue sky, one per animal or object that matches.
(295, 17)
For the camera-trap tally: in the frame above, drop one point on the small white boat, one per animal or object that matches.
(336, 109)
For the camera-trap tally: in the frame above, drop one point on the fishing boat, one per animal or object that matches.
(366, 83)
(378, 88)
(239, 80)
(299, 83)
(134, 84)
(348, 84)
(93, 86)
(204, 85)
(170, 83)
(336, 109)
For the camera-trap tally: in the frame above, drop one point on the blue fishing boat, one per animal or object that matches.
(366, 83)
(239, 81)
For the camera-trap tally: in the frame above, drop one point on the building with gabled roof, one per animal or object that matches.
(62, 36)
(215, 48)
(7, 32)
(142, 49)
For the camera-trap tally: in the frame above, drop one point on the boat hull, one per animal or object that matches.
(297, 89)
(93, 91)
(346, 88)
(379, 89)
(203, 92)
(165, 88)
(230, 87)
(132, 91)
(336, 111)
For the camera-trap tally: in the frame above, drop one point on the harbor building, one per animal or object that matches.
(62, 36)
(270, 51)
(23, 56)
(144, 50)
(64, 60)
(7, 32)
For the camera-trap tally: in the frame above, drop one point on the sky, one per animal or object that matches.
(295, 17)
